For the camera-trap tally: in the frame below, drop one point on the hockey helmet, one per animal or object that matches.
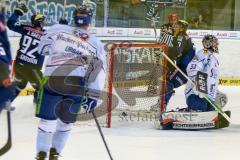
(210, 42)
(173, 17)
(37, 19)
(183, 24)
(83, 15)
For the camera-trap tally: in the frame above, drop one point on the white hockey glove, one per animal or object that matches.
(21, 9)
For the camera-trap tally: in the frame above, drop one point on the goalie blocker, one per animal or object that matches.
(192, 120)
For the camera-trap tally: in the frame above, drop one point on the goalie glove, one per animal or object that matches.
(221, 98)
(21, 9)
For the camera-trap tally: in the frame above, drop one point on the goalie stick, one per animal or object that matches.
(217, 107)
(8, 145)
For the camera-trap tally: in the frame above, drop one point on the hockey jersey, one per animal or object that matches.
(207, 62)
(28, 51)
(5, 52)
(72, 46)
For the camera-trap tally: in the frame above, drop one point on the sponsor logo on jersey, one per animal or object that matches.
(81, 35)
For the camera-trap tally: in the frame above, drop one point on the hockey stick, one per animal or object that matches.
(205, 96)
(8, 145)
(101, 133)
(96, 121)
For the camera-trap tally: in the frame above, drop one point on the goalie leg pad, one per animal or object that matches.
(221, 121)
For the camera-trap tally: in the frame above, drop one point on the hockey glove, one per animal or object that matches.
(221, 98)
(88, 104)
(21, 9)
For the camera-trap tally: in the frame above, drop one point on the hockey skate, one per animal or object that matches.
(53, 155)
(41, 156)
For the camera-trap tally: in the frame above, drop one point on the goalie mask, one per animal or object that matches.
(83, 15)
(210, 42)
(37, 20)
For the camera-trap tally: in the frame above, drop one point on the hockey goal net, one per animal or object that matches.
(135, 83)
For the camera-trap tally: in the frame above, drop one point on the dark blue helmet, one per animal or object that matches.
(83, 15)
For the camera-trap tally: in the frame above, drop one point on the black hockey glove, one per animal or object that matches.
(21, 9)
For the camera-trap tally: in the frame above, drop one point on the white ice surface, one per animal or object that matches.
(133, 140)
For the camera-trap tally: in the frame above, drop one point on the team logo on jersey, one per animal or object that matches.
(81, 35)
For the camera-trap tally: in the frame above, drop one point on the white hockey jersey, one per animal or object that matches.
(71, 46)
(207, 62)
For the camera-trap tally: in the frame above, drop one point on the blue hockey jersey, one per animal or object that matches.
(28, 51)
(5, 52)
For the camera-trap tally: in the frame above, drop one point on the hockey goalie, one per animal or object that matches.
(203, 71)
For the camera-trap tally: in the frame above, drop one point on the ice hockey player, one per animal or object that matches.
(182, 52)
(76, 48)
(209, 64)
(6, 88)
(199, 114)
(28, 63)
(205, 61)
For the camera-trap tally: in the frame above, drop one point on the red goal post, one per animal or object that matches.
(133, 70)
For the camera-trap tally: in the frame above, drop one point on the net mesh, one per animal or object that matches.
(134, 87)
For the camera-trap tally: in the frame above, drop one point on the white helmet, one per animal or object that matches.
(210, 42)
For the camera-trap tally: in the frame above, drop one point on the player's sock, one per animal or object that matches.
(46, 129)
(44, 140)
(61, 135)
